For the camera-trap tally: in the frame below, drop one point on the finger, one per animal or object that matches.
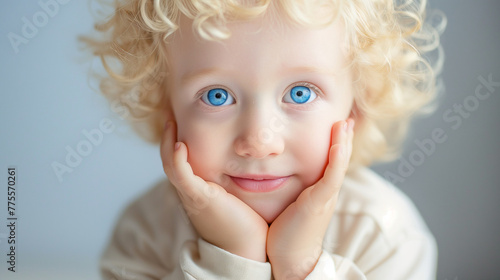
(167, 146)
(329, 185)
(194, 192)
(337, 135)
(327, 188)
(192, 189)
(336, 157)
(174, 158)
(182, 172)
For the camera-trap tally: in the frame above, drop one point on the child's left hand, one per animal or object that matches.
(295, 238)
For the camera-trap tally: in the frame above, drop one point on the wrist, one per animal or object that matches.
(256, 253)
(249, 250)
(293, 267)
(251, 245)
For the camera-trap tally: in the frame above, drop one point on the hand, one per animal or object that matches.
(219, 217)
(295, 238)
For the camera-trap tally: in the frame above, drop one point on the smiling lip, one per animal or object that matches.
(259, 183)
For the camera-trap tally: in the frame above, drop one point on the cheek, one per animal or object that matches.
(312, 144)
(207, 146)
(311, 152)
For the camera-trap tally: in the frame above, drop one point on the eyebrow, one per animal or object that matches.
(309, 69)
(194, 75)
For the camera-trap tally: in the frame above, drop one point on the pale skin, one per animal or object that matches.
(259, 132)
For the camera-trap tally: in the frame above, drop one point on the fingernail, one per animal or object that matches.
(344, 126)
(177, 145)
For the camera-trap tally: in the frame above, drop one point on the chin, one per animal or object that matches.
(269, 217)
(269, 212)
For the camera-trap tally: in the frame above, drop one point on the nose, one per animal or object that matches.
(260, 136)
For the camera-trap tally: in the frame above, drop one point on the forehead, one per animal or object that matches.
(260, 46)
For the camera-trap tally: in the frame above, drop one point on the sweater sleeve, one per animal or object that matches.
(202, 260)
(376, 233)
(153, 239)
(141, 244)
(414, 259)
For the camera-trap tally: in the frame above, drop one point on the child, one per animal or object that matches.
(255, 103)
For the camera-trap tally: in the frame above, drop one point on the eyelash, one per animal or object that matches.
(312, 86)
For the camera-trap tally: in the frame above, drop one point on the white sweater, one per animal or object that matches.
(375, 233)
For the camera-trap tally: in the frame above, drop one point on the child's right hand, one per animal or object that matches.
(219, 217)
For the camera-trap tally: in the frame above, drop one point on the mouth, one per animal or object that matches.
(259, 183)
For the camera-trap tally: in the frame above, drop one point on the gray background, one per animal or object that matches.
(47, 102)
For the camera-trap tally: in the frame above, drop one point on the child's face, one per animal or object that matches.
(259, 105)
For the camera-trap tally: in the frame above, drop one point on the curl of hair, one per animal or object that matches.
(393, 44)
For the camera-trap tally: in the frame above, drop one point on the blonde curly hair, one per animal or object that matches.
(388, 43)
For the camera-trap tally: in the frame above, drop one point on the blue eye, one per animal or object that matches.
(217, 97)
(300, 95)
